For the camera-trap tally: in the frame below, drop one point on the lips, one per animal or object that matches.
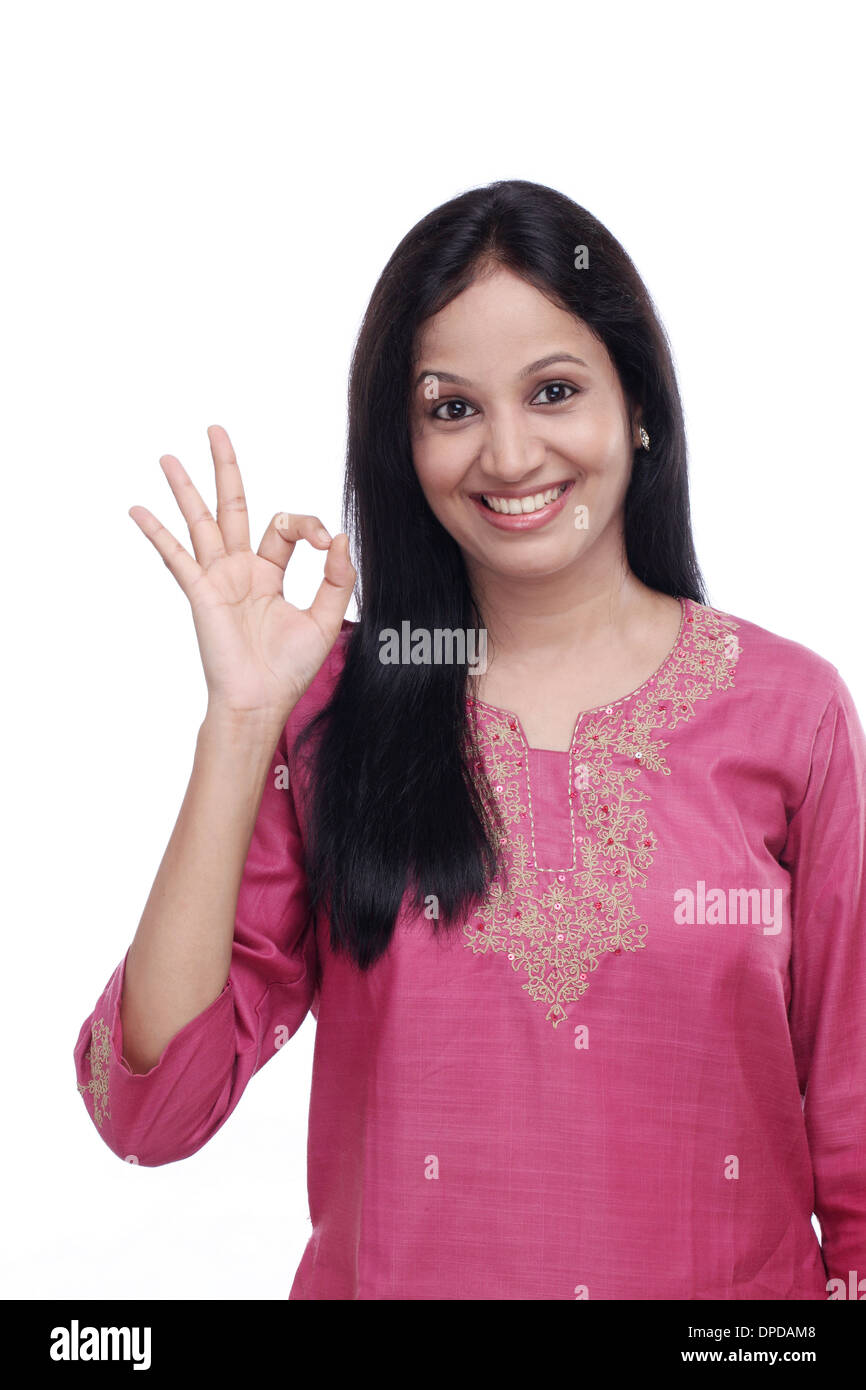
(520, 520)
(523, 503)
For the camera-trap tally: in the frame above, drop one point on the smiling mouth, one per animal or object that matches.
(524, 505)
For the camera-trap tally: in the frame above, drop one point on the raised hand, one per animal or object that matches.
(259, 652)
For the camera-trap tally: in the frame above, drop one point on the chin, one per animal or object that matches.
(546, 561)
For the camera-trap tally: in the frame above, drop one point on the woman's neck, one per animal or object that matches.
(528, 621)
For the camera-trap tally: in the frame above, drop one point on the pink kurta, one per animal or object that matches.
(639, 1067)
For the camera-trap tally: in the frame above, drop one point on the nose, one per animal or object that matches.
(511, 449)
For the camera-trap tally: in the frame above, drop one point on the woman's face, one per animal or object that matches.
(502, 412)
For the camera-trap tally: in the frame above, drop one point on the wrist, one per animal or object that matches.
(259, 729)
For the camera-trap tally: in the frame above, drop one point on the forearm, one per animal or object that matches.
(179, 959)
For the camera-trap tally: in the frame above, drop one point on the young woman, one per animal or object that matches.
(575, 892)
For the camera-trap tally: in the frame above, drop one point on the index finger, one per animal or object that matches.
(231, 514)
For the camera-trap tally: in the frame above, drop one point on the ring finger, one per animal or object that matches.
(205, 534)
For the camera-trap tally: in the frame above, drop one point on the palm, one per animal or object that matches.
(259, 651)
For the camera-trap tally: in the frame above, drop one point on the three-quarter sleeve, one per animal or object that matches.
(825, 853)
(169, 1112)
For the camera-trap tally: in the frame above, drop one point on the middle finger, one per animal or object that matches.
(231, 502)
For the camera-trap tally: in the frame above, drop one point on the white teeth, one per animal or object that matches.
(514, 506)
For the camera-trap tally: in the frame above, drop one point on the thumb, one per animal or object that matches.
(328, 608)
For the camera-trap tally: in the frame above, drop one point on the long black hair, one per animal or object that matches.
(398, 803)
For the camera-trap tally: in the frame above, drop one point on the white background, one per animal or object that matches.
(198, 200)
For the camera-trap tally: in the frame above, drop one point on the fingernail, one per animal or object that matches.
(283, 521)
(322, 534)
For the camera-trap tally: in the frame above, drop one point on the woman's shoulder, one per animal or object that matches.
(773, 661)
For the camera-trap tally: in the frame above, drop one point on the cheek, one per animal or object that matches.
(604, 447)
(439, 467)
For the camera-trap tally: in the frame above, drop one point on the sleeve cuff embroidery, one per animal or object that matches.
(98, 1055)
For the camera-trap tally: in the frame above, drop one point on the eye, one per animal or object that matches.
(463, 408)
(446, 405)
(557, 386)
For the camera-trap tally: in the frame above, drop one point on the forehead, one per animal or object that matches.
(502, 321)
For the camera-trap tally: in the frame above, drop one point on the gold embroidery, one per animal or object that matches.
(556, 924)
(98, 1055)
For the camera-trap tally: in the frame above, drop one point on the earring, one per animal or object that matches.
(644, 438)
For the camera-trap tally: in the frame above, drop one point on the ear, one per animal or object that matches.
(636, 421)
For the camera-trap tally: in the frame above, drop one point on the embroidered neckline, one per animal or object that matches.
(556, 925)
(608, 705)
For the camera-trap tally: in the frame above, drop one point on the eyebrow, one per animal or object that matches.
(527, 371)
